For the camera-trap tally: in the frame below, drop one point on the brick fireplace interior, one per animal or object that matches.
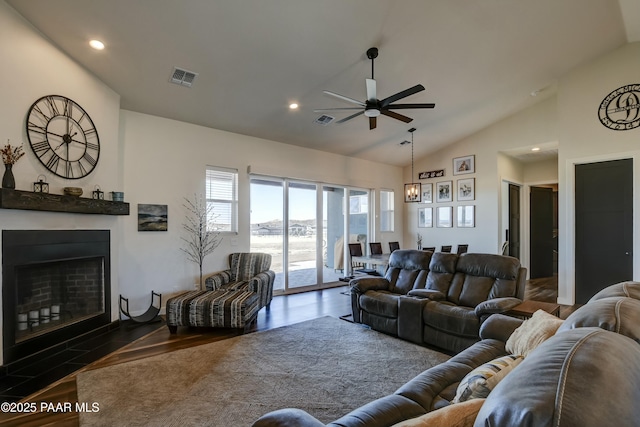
(55, 287)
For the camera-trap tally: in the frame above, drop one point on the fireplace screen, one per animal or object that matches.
(52, 295)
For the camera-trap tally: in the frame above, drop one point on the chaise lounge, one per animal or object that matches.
(232, 297)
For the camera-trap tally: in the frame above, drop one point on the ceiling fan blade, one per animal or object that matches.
(344, 98)
(407, 92)
(372, 123)
(371, 90)
(350, 117)
(324, 110)
(408, 106)
(396, 116)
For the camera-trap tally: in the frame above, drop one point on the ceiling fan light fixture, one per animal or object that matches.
(372, 112)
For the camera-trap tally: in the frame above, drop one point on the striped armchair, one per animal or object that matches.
(247, 271)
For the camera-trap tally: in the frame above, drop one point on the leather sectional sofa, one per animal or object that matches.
(439, 299)
(584, 375)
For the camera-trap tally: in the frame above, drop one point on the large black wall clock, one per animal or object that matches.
(63, 136)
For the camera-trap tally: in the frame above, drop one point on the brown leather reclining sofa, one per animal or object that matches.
(438, 298)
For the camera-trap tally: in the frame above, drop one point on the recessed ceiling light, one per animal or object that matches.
(535, 149)
(96, 44)
(293, 106)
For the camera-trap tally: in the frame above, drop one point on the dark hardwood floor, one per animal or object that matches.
(53, 380)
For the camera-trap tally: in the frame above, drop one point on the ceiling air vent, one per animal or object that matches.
(183, 77)
(324, 120)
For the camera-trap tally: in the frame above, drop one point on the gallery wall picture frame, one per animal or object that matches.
(425, 217)
(427, 193)
(466, 189)
(444, 191)
(464, 165)
(152, 217)
(444, 217)
(466, 216)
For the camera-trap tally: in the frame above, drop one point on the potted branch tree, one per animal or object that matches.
(201, 235)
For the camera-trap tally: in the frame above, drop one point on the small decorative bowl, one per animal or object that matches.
(72, 191)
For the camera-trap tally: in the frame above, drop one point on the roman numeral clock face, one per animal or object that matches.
(63, 136)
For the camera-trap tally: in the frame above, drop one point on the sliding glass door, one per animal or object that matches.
(333, 245)
(302, 235)
(303, 226)
(267, 219)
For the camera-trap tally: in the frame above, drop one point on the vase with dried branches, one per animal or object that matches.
(10, 155)
(201, 236)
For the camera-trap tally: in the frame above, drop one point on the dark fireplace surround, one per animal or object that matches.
(66, 309)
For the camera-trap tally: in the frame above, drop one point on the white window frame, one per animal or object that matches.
(227, 194)
(387, 213)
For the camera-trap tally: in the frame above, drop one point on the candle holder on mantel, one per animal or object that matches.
(41, 186)
(97, 193)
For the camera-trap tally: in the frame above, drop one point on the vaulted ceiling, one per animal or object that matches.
(479, 60)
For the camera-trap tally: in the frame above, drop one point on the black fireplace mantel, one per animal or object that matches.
(27, 200)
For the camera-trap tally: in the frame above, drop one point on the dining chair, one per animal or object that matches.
(355, 249)
(430, 248)
(445, 248)
(376, 248)
(394, 246)
(462, 249)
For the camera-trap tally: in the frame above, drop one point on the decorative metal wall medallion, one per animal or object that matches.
(620, 110)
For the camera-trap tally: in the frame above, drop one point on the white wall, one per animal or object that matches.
(152, 160)
(31, 68)
(165, 161)
(536, 125)
(571, 119)
(583, 139)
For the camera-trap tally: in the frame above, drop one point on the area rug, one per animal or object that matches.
(325, 366)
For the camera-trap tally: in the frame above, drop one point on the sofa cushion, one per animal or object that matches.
(585, 377)
(382, 303)
(478, 383)
(451, 318)
(617, 314)
(533, 332)
(481, 277)
(407, 270)
(405, 281)
(245, 265)
(460, 415)
(441, 270)
(623, 289)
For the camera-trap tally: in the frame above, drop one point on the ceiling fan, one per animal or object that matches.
(373, 106)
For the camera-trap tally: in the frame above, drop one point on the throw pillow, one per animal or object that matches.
(478, 383)
(459, 415)
(532, 333)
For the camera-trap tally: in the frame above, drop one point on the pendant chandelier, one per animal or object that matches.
(412, 191)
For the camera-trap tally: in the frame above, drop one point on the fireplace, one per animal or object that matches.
(55, 287)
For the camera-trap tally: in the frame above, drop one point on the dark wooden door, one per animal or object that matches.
(514, 221)
(541, 232)
(604, 226)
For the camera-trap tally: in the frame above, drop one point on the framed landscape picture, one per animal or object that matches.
(445, 216)
(425, 217)
(464, 165)
(427, 193)
(152, 217)
(444, 191)
(466, 189)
